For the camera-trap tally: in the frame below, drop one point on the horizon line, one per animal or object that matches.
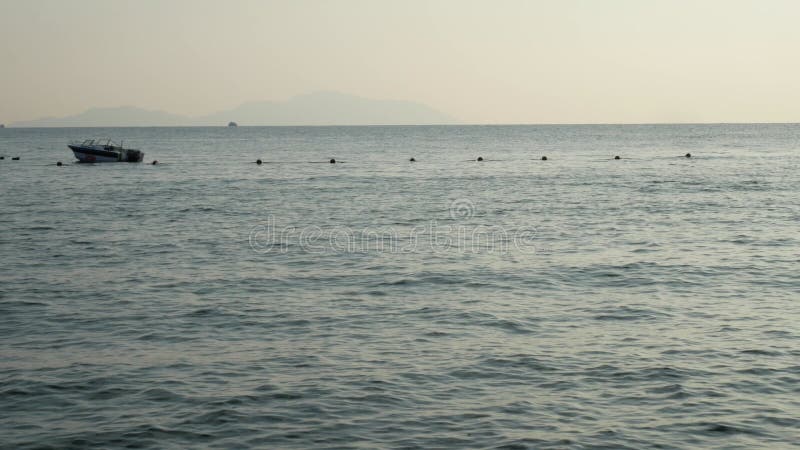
(507, 124)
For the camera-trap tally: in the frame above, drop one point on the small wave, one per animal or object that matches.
(161, 395)
(517, 361)
(625, 313)
(721, 428)
(217, 418)
(761, 352)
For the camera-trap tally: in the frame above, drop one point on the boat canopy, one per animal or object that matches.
(102, 141)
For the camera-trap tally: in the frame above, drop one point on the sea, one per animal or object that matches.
(578, 302)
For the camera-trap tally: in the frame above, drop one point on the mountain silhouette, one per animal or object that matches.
(318, 108)
(109, 117)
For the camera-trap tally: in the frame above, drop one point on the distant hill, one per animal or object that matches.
(319, 108)
(110, 117)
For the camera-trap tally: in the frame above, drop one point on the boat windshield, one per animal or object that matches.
(100, 142)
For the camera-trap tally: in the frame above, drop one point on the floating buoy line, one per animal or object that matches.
(335, 161)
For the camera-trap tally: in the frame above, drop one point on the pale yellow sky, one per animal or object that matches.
(502, 61)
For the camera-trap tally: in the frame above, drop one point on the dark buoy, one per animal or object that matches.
(480, 158)
(333, 161)
(688, 155)
(58, 164)
(544, 158)
(258, 161)
(412, 160)
(16, 158)
(617, 157)
(2, 157)
(155, 162)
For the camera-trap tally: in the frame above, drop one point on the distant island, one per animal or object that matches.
(318, 108)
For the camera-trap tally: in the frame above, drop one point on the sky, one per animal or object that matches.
(501, 61)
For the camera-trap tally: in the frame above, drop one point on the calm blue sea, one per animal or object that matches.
(579, 302)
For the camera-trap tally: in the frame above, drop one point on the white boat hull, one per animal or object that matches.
(93, 158)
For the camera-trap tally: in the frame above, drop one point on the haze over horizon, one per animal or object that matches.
(316, 108)
(618, 61)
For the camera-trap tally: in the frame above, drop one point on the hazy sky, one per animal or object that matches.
(512, 61)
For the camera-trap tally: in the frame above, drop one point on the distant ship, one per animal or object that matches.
(2, 126)
(232, 124)
(104, 150)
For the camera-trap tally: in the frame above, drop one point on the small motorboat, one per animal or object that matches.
(104, 150)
